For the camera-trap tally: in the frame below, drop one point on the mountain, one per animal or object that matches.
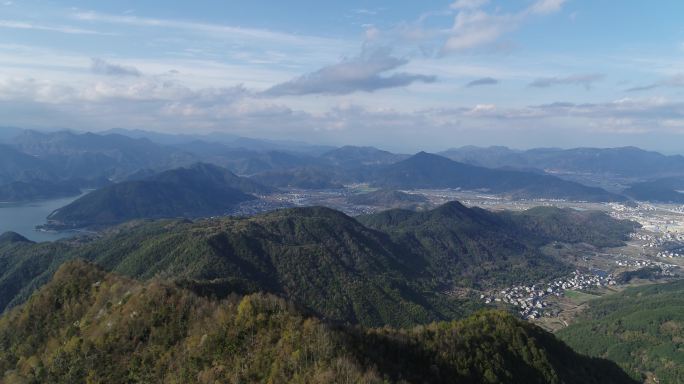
(90, 155)
(13, 238)
(642, 329)
(37, 190)
(473, 247)
(247, 162)
(351, 156)
(87, 325)
(25, 266)
(666, 190)
(199, 190)
(225, 139)
(322, 260)
(425, 170)
(388, 198)
(18, 166)
(319, 258)
(8, 133)
(624, 161)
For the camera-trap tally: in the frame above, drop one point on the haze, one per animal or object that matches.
(403, 76)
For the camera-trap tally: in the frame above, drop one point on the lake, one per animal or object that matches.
(24, 217)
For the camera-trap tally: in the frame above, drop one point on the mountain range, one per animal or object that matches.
(92, 160)
(380, 269)
(429, 171)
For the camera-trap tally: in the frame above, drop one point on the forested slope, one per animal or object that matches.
(90, 326)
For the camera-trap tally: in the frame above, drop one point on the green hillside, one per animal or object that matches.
(472, 246)
(391, 271)
(425, 170)
(90, 326)
(388, 198)
(642, 329)
(199, 190)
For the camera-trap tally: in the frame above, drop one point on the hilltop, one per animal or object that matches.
(90, 325)
(429, 171)
(198, 190)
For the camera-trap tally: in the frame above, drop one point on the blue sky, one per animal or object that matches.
(399, 75)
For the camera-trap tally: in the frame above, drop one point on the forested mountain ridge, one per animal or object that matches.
(484, 247)
(198, 190)
(319, 258)
(87, 325)
(427, 171)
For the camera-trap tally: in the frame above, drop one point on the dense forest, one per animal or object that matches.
(641, 329)
(195, 191)
(393, 270)
(90, 326)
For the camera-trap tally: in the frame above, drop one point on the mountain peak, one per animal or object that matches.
(13, 237)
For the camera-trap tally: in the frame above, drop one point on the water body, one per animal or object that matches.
(23, 218)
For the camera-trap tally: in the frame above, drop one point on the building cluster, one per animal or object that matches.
(635, 263)
(666, 270)
(670, 254)
(658, 240)
(531, 300)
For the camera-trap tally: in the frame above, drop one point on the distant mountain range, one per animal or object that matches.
(426, 170)
(225, 139)
(195, 191)
(21, 191)
(16, 166)
(354, 157)
(666, 190)
(92, 155)
(93, 160)
(626, 162)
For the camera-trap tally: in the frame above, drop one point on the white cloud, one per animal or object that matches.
(103, 67)
(585, 80)
(482, 81)
(215, 30)
(13, 24)
(544, 7)
(367, 72)
(672, 81)
(474, 27)
(469, 4)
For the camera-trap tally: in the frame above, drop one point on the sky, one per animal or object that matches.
(401, 75)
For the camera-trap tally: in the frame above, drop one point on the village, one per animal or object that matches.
(530, 301)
